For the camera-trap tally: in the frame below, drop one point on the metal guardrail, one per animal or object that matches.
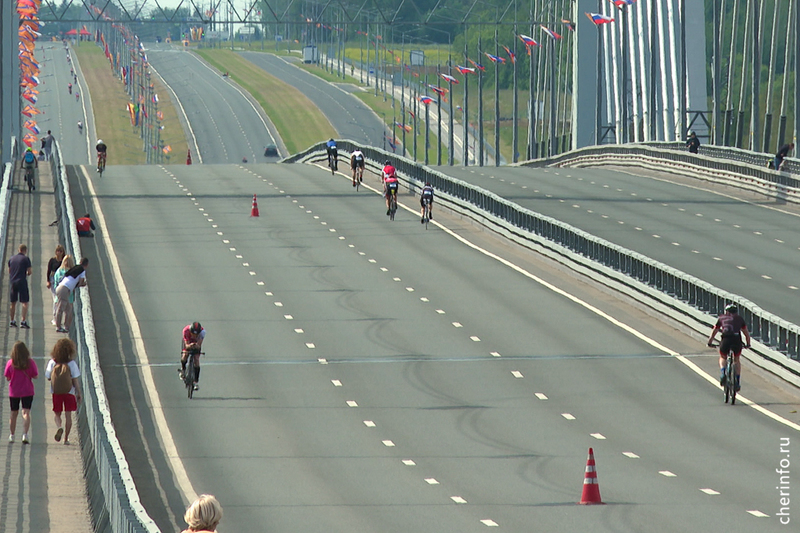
(790, 166)
(767, 328)
(703, 161)
(113, 499)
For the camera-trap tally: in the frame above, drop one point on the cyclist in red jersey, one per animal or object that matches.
(732, 326)
(389, 179)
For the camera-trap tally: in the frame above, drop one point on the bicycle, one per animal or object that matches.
(729, 387)
(188, 374)
(30, 178)
(358, 176)
(332, 163)
(426, 212)
(101, 163)
(392, 203)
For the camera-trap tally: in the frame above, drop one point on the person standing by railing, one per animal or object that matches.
(693, 143)
(782, 154)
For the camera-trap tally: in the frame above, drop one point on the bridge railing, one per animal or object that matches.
(733, 160)
(791, 165)
(113, 499)
(769, 329)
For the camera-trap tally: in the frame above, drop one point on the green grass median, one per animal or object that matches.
(299, 122)
(112, 119)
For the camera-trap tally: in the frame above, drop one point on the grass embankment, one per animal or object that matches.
(298, 120)
(111, 117)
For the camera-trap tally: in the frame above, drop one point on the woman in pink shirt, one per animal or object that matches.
(20, 372)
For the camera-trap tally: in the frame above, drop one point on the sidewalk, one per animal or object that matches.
(43, 486)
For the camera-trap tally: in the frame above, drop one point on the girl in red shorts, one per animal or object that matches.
(63, 374)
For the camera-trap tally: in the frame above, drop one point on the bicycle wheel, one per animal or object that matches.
(188, 376)
(393, 207)
(732, 383)
(29, 180)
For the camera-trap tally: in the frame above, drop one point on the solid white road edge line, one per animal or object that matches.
(696, 369)
(141, 354)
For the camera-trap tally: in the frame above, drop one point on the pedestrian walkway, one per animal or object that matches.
(43, 488)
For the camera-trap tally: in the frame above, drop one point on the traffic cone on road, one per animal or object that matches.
(254, 210)
(591, 489)
(189, 157)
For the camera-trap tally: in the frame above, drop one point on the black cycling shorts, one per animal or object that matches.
(357, 164)
(731, 342)
(425, 199)
(391, 187)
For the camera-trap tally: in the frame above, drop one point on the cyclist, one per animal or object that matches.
(80, 127)
(390, 185)
(191, 343)
(333, 154)
(732, 325)
(69, 87)
(29, 162)
(426, 198)
(102, 153)
(357, 162)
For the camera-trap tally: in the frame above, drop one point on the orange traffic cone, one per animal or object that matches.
(254, 210)
(189, 157)
(591, 489)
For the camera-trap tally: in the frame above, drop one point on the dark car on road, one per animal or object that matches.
(271, 151)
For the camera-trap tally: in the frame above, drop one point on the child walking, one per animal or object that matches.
(20, 372)
(63, 374)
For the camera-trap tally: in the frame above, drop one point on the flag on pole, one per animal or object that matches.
(495, 59)
(622, 3)
(510, 54)
(599, 19)
(529, 41)
(465, 70)
(569, 23)
(427, 100)
(477, 65)
(448, 78)
(551, 33)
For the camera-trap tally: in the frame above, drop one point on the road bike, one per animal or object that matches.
(332, 163)
(30, 178)
(358, 176)
(187, 375)
(101, 163)
(392, 203)
(729, 387)
(426, 212)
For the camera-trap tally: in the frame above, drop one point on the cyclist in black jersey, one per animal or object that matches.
(732, 325)
(426, 197)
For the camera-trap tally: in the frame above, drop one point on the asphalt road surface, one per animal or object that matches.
(743, 243)
(368, 375)
(62, 110)
(225, 124)
(351, 117)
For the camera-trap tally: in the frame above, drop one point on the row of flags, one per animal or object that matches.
(28, 33)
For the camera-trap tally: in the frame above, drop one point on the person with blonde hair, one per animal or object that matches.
(66, 264)
(20, 372)
(63, 374)
(203, 515)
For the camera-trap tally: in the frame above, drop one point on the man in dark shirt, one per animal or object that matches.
(781, 155)
(693, 143)
(19, 268)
